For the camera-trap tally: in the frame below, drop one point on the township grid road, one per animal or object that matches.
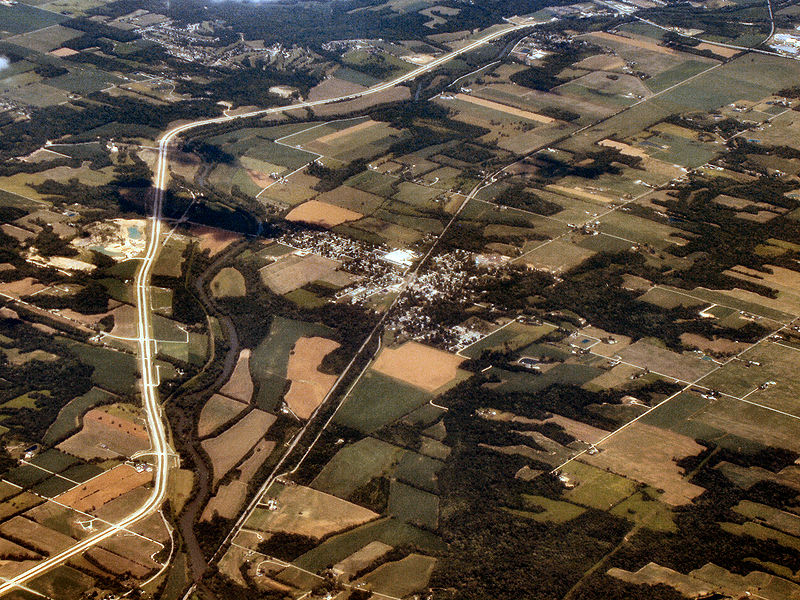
(155, 422)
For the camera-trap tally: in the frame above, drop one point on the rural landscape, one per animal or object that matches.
(403, 299)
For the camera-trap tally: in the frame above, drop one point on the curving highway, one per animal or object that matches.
(147, 345)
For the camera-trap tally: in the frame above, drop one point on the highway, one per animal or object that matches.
(157, 430)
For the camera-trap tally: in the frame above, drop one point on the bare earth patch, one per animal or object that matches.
(322, 214)
(309, 385)
(419, 365)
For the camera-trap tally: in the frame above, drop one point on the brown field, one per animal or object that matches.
(217, 411)
(18, 233)
(63, 52)
(118, 565)
(23, 287)
(623, 148)
(106, 436)
(309, 385)
(212, 239)
(240, 385)
(600, 62)
(226, 502)
(228, 448)
(510, 110)
(638, 43)
(9, 548)
(105, 487)
(718, 50)
(135, 548)
(306, 511)
(582, 431)
(419, 365)
(717, 346)
(647, 454)
(333, 88)
(687, 367)
(252, 463)
(295, 271)
(362, 558)
(784, 281)
(31, 534)
(322, 214)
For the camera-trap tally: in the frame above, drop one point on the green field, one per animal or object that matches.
(378, 400)
(355, 465)
(388, 530)
(114, 371)
(513, 336)
(596, 488)
(568, 374)
(412, 505)
(21, 18)
(373, 182)
(420, 471)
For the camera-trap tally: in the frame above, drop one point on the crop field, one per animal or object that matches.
(378, 400)
(557, 256)
(355, 465)
(640, 508)
(363, 140)
(228, 448)
(269, 361)
(419, 470)
(548, 510)
(362, 558)
(309, 512)
(217, 411)
(26, 476)
(647, 454)
(106, 436)
(387, 530)
(226, 502)
(666, 298)
(228, 283)
(240, 385)
(84, 80)
(412, 505)
(419, 365)
(401, 578)
(322, 214)
(643, 231)
(62, 583)
(45, 40)
(18, 504)
(309, 385)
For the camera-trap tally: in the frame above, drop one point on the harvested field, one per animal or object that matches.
(421, 366)
(118, 565)
(106, 436)
(322, 214)
(295, 271)
(228, 448)
(309, 385)
(306, 511)
(96, 492)
(647, 454)
(718, 50)
(240, 384)
(524, 114)
(218, 411)
(226, 502)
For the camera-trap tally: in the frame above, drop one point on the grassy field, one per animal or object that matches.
(356, 464)
(373, 182)
(596, 488)
(642, 509)
(552, 511)
(418, 470)
(513, 336)
(571, 374)
(412, 505)
(378, 400)
(228, 282)
(401, 578)
(21, 18)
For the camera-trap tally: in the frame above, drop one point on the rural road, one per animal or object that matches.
(147, 346)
